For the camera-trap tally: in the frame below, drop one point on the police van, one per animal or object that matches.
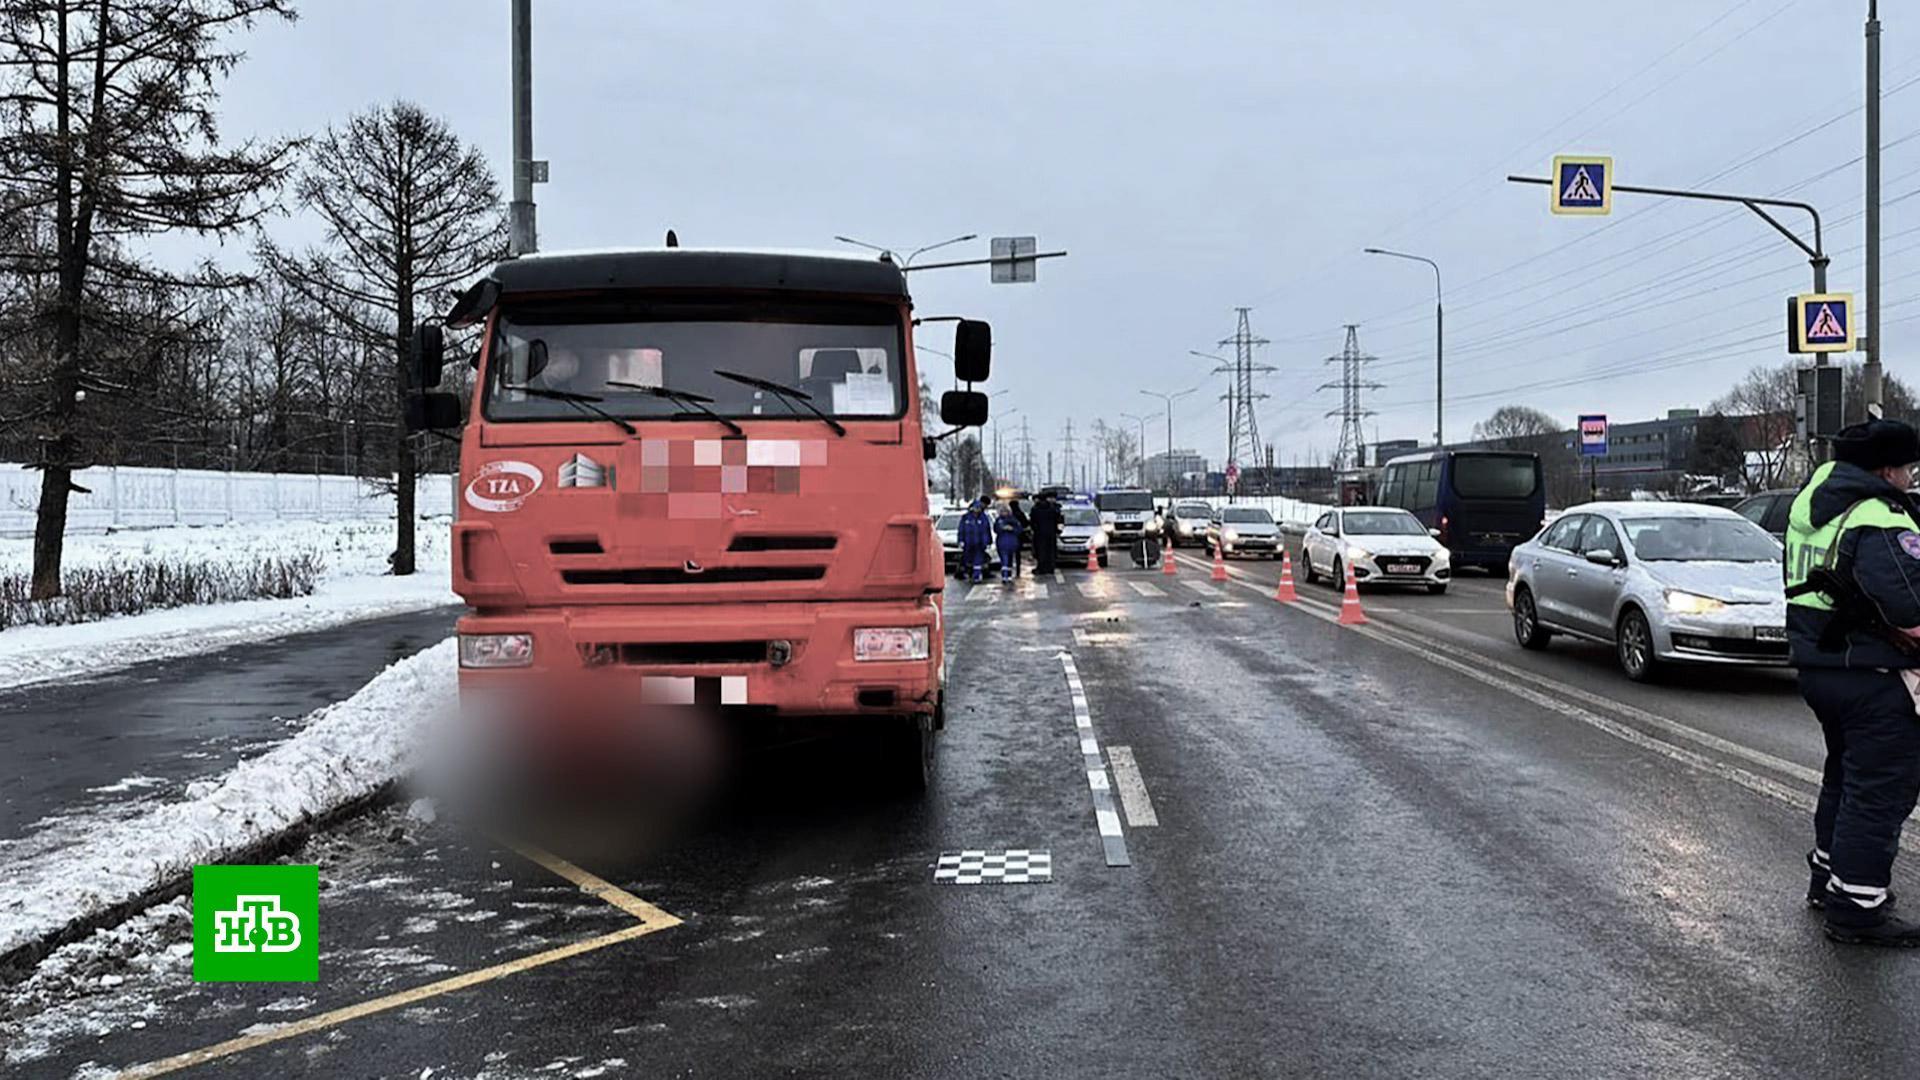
(1127, 512)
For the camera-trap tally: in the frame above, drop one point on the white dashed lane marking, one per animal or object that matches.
(1204, 589)
(1145, 588)
(1112, 839)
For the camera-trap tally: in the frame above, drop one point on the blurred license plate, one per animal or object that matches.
(1403, 568)
(1770, 633)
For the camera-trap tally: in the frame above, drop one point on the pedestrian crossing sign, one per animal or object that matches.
(1820, 322)
(1582, 185)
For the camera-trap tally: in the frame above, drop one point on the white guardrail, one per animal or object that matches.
(137, 497)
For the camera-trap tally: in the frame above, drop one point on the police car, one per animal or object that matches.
(1127, 512)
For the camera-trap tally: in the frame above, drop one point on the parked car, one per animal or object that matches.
(1660, 582)
(947, 527)
(1244, 530)
(1080, 529)
(1187, 523)
(1768, 510)
(1384, 545)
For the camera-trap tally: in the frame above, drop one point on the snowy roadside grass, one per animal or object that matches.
(352, 586)
(348, 752)
(132, 571)
(96, 592)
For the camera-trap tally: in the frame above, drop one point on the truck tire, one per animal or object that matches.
(909, 752)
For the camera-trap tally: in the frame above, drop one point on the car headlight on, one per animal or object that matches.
(1357, 552)
(1098, 539)
(890, 643)
(1230, 536)
(496, 650)
(1686, 603)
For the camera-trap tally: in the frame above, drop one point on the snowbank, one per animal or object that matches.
(354, 587)
(348, 751)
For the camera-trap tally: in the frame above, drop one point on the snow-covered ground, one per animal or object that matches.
(347, 751)
(354, 586)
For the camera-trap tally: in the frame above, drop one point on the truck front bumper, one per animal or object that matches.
(791, 659)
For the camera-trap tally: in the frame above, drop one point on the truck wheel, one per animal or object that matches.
(909, 752)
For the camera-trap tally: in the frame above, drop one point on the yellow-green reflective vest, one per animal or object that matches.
(1809, 548)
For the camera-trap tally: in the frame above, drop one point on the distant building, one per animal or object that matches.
(1389, 449)
(1178, 471)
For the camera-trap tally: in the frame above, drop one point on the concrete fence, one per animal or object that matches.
(137, 497)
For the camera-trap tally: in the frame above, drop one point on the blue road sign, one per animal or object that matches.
(1822, 322)
(1593, 435)
(1582, 185)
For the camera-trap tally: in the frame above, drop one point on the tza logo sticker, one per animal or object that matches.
(501, 486)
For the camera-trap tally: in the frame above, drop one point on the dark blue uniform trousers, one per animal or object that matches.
(1872, 774)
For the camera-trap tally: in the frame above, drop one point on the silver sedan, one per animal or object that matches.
(1660, 582)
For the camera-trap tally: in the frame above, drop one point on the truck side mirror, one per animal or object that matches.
(426, 357)
(963, 408)
(433, 411)
(972, 350)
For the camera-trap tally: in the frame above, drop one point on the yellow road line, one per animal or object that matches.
(382, 1004)
(652, 919)
(596, 886)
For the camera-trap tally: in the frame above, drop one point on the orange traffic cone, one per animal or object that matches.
(1219, 563)
(1166, 560)
(1285, 593)
(1093, 563)
(1350, 613)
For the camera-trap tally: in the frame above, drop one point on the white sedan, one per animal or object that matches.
(1384, 545)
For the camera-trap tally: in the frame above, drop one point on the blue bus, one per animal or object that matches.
(1483, 503)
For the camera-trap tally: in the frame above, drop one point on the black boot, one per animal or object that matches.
(1852, 924)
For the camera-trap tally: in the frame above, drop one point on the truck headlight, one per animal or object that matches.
(890, 643)
(1686, 603)
(496, 650)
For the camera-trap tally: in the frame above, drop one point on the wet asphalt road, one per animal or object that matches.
(67, 746)
(1395, 851)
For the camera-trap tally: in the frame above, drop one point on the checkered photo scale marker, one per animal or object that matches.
(1016, 867)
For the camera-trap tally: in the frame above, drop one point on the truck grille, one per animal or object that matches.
(674, 575)
(689, 652)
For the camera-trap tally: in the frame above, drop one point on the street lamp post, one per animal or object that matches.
(914, 254)
(1168, 399)
(1439, 345)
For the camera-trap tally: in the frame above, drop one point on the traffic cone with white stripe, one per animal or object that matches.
(1285, 593)
(1093, 562)
(1350, 613)
(1167, 560)
(1219, 562)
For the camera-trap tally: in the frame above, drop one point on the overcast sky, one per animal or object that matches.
(1194, 158)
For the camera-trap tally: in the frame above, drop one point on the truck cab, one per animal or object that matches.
(699, 477)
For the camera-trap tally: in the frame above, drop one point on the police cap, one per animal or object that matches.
(1877, 444)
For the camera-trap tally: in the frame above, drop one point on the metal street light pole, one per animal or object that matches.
(522, 236)
(1227, 368)
(916, 253)
(1871, 372)
(1168, 399)
(1439, 345)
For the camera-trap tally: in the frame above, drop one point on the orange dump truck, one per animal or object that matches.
(701, 476)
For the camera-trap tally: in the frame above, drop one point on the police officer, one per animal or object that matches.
(1853, 617)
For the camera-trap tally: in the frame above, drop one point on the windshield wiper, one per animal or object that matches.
(583, 402)
(683, 397)
(786, 393)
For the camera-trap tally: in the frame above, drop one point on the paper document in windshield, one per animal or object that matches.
(863, 395)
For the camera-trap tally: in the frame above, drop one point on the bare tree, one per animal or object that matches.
(1516, 427)
(1765, 401)
(107, 132)
(410, 212)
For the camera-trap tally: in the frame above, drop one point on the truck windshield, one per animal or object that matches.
(844, 357)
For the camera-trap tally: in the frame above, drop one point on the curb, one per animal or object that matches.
(18, 963)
